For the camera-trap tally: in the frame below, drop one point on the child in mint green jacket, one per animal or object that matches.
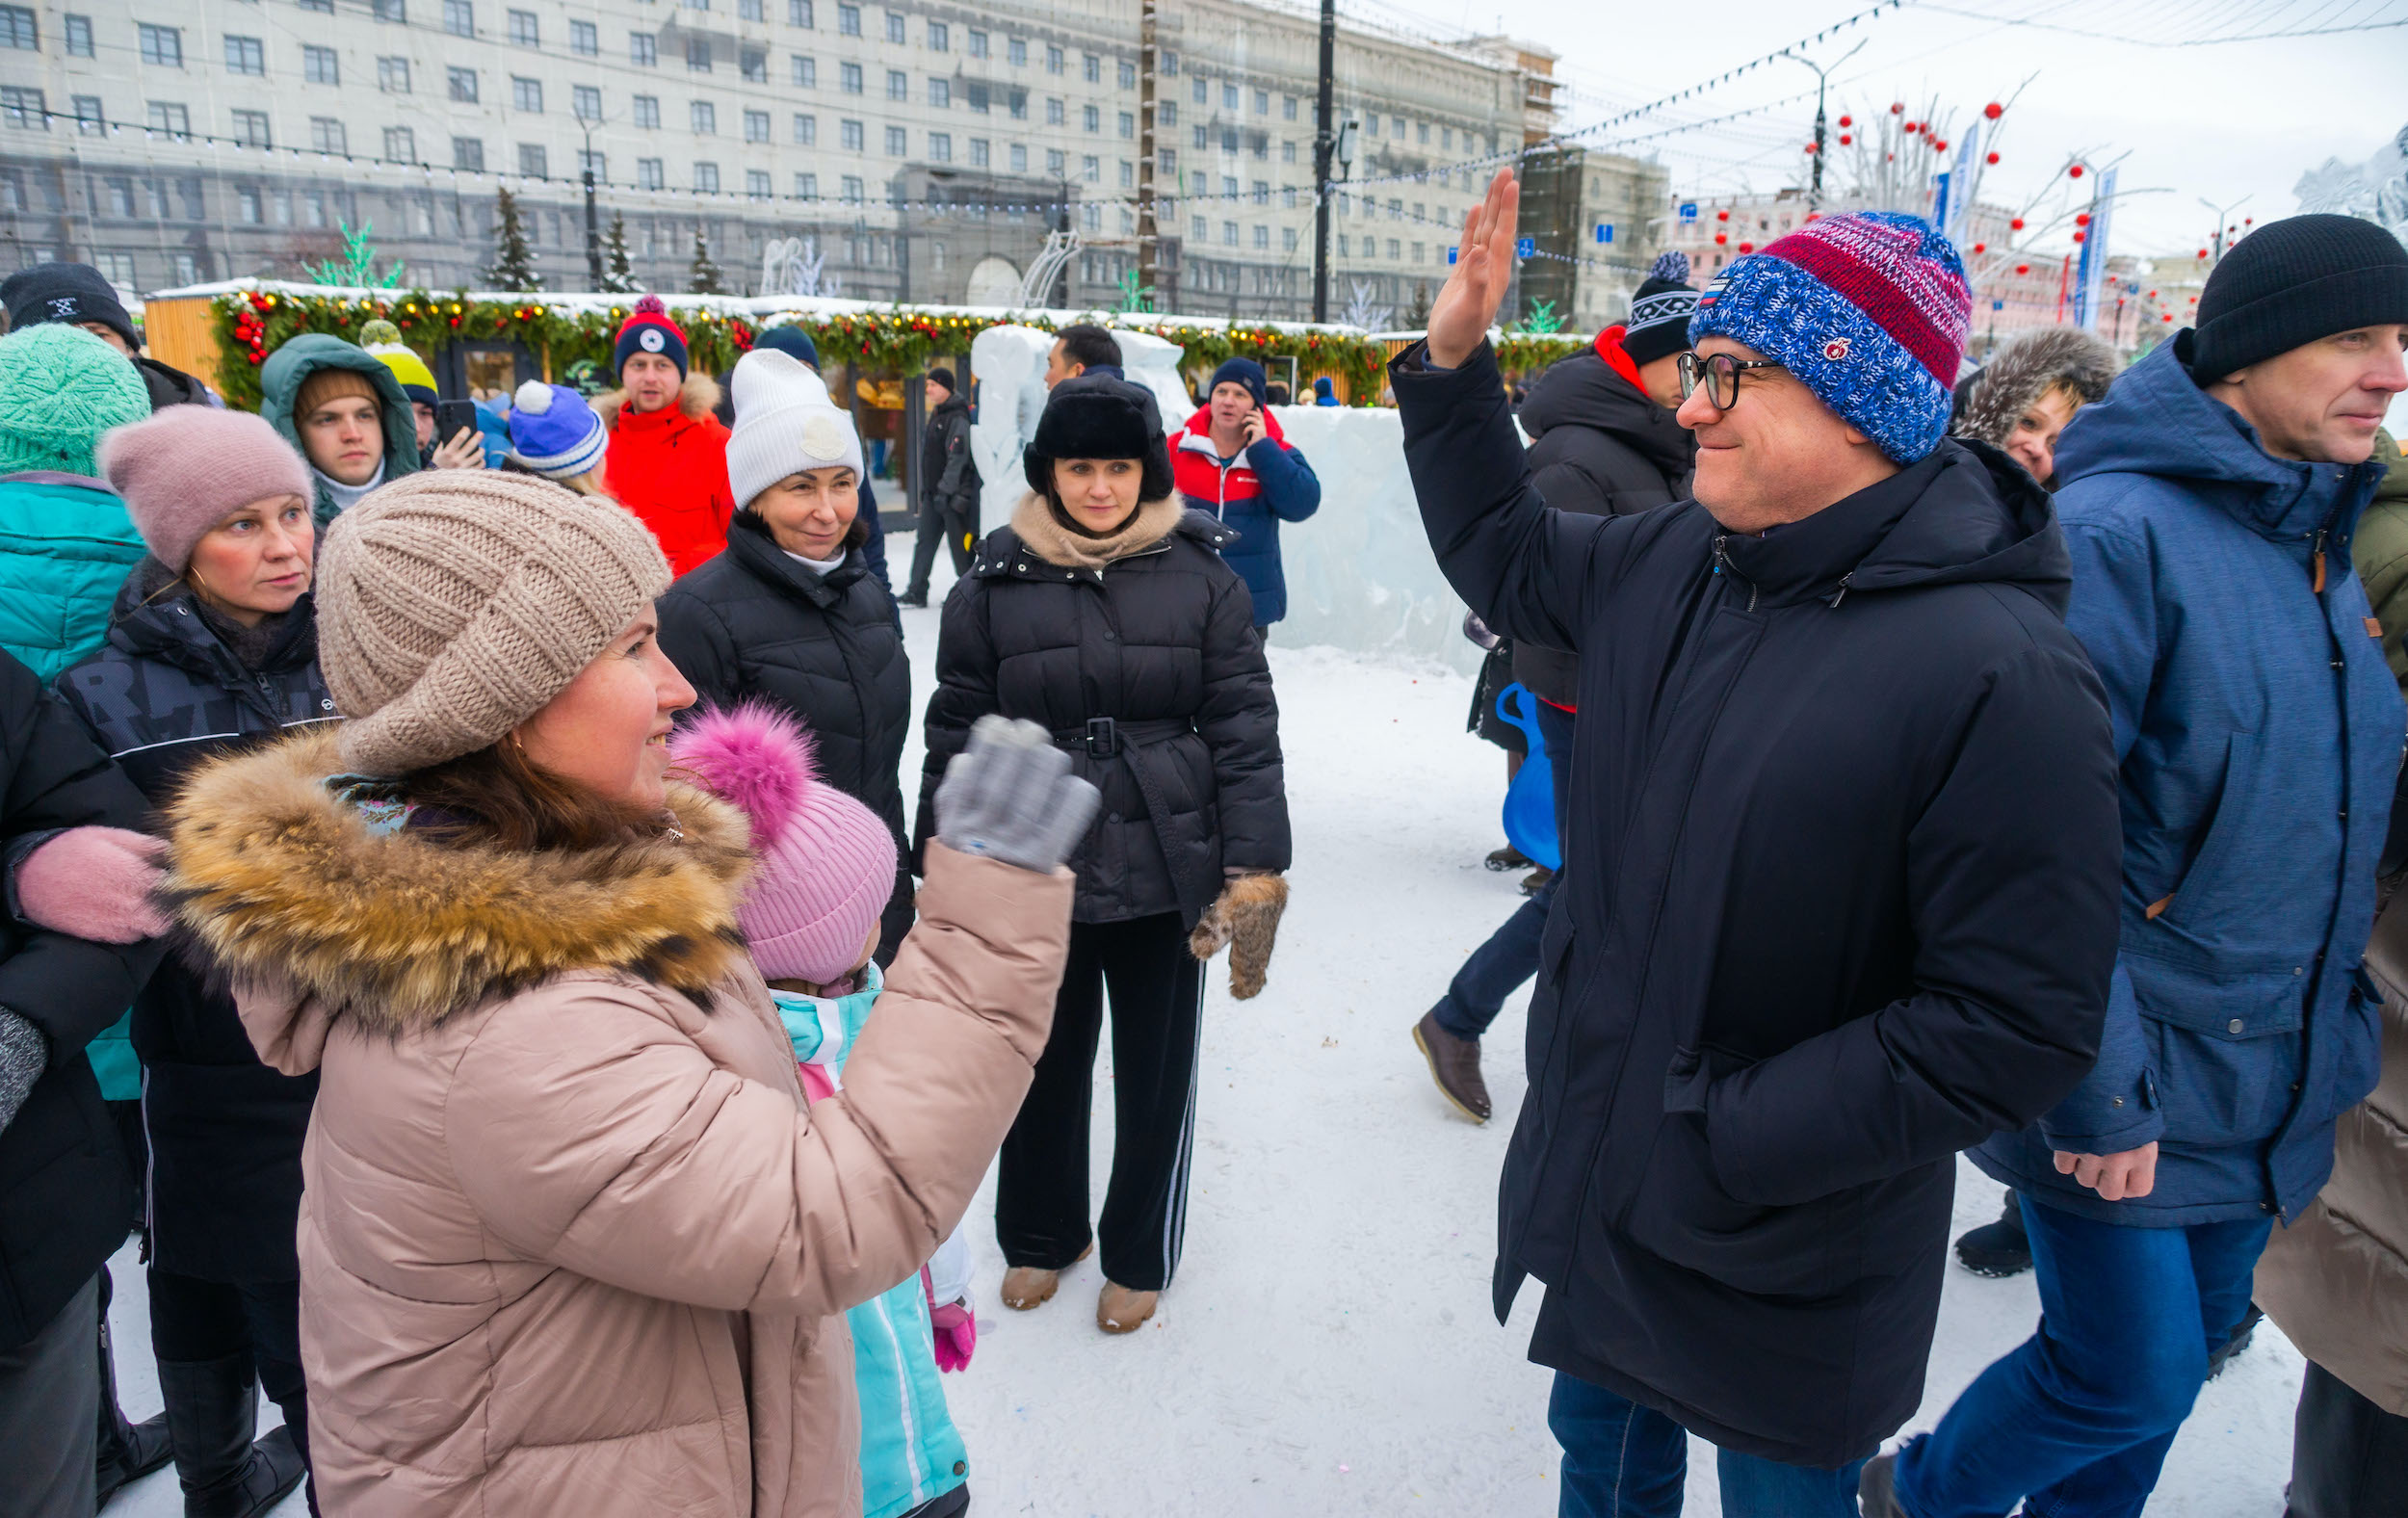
(827, 866)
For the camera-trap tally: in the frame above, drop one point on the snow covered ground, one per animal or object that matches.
(1327, 1347)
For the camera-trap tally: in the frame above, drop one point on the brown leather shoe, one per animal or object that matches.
(1027, 1286)
(1454, 1064)
(1121, 1310)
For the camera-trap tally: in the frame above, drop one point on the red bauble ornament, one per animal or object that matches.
(1747, 248)
(1810, 148)
(1847, 120)
(2203, 252)
(2074, 172)
(1981, 248)
(2248, 220)
(1910, 128)
(258, 358)
(1994, 110)
(1993, 158)
(2170, 316)
(2080, 236)
(2016, 225)
(2153, 295)
(2082, 218)
(2023, 269)
(1722, 216)
(1941, 146)
(1721, 238)
(1845, 139)
(1897, 108)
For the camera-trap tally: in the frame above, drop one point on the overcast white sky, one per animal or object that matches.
(2223, 120)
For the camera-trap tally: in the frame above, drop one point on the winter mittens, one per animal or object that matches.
(1245, 917)
(1011, 795)
(96, 884)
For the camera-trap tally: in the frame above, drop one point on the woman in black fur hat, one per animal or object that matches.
(1105, 613)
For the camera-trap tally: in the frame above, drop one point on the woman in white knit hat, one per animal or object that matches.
(570, 1241)
(790, 614)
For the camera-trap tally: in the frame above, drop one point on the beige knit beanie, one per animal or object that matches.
(453, 604)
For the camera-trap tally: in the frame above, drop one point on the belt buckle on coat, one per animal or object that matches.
(1103, 738)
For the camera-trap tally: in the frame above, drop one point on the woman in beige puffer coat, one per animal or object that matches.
(571, 1242)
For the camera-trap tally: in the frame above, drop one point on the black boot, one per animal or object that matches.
(213, 1410)
(2239, 1341)
(124, 1450)
(1999, 1249)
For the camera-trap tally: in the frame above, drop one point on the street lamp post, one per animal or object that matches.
(1823, 87)
(1325, 144)
(2223, 213)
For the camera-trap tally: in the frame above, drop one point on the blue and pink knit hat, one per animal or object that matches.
(1868, 308)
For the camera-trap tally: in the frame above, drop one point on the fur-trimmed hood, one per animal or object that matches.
(290, 888)
(698, 398)
(1994, 398)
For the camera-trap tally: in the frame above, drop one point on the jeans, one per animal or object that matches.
(2345, 1452)
(1510, 956)
(1621, 1460)
(2076, 1420)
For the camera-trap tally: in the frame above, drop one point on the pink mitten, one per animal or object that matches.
(956, 1335)
(96, 884)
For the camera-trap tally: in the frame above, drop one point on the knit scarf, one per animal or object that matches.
(346, 496)
(1055, 542)
(1609, 346)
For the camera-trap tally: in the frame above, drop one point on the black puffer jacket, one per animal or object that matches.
(755, 623)
(1600, 448)
(1162, 642)
(167, 691)
(66, 1188)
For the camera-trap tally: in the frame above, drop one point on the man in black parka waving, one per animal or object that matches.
(1841, 871)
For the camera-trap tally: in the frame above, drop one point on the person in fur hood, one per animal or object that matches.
(1106, 613)
(2021, 400)
(667, 460)
(571, 1240)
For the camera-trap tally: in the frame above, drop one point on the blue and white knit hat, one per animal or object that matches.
(1660, 310)
(1869, 309)
(554, 431)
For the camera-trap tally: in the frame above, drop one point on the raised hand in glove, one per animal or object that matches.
(1011, 795)
(96, 884)
(1246, 918)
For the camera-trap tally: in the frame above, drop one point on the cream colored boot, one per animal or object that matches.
(1121, 1310)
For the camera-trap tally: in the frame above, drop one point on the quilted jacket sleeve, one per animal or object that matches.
(1240, 724)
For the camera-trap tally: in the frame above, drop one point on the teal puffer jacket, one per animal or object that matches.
(65, 545)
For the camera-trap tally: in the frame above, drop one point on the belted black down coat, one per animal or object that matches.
(163, 694)
(65, 1187)
(1840, 899)
(755, 623)
(1162, 644)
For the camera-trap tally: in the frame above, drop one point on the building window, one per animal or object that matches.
(1262, 191)
(750, 11)
(527, 95)
(1166, 164)
(250, 128)
(1128, 74)
(848, 78)
(78, 32)
(757, 184)
(897, 142)
(1342, 246)
(1392, 249)
(20, 28)
(1165, 113)
(1091, 168)
(977, 44)
(1053, 113)
(584, 38)
(898, 85)
(393, 12)
(853, 189)
(1054, 163)
(1128, 123)
(806, 130)
(170, 118)
(1091, 69)
(531, 161)
(940, 148)
(849, 136)
(523, 30)
(1017, 103)
(468, 152)
(1228, 187)
(1228, 95)
(940, 93)
(753, 62)
(799, 12)
(1199, 92)
(25, 111)
(706, 177)
(327, 135)
(1261, 236)
(941, 38)
(1052, 60)
(1370, 123)
(699, 55)
(1090, 118)
(1128, 174)
(1228, 139)
(980, 151)
(598, 165)
(805, 72)
(1203, 138)
(894, 28)
(756, 127)
(806, 186)
(584, 102)
(643, 50)
(1020, 158)
(246, 55)
(848, 20)
(1287, 238)
(401, 145)
(704, 118)
(185, 268)
(648, 110)
(462, 85)
(1229, 234)
(247, 207)
(393, 75)
(162, 45)
(648, 174)
(88, 116)
(460, 18)
(1016, 52)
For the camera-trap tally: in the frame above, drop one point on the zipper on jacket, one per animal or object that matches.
(2315, 561)
(1841, 595)
(1723, 565)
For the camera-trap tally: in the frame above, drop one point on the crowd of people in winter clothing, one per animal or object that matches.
(1995, 763)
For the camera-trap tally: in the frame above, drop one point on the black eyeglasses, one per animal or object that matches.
(1720, 374)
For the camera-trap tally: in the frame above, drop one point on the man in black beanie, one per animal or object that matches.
(2208, 504)
(78, 295)
(948, 486)
(1604, 443)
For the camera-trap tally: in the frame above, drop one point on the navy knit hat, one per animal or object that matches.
(1246, 371)
(1867, 309)
(791, 339)
(69, 293)
(648, 330)
(2290, 282)
(1657, 327)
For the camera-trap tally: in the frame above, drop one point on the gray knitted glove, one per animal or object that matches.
(25, 1053)
(1011, 795)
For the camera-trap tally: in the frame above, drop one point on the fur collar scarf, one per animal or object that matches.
(1046, 536)
(287, 886)
(698, 398)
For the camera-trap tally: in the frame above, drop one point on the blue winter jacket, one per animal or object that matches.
(2259, 735)
(65, 545)
(1269, 482)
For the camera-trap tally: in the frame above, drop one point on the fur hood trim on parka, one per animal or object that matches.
(1045, 535)
(282, 882)
(1996, 396)
(698, 398)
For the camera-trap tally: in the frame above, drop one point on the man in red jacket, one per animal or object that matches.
(668, 454)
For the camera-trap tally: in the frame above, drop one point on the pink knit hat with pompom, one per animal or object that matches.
(826, 862)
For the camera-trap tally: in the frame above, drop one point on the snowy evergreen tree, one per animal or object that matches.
(618, 275)
(513, 266)
(705, 276)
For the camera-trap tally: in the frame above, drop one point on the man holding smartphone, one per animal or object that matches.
(1233, 461)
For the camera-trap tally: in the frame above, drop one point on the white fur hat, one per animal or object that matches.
(785, 424)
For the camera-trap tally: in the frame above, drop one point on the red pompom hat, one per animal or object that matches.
(648, 330)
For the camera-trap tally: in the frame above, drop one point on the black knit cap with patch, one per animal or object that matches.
(1660, 311)
(1094, 416)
